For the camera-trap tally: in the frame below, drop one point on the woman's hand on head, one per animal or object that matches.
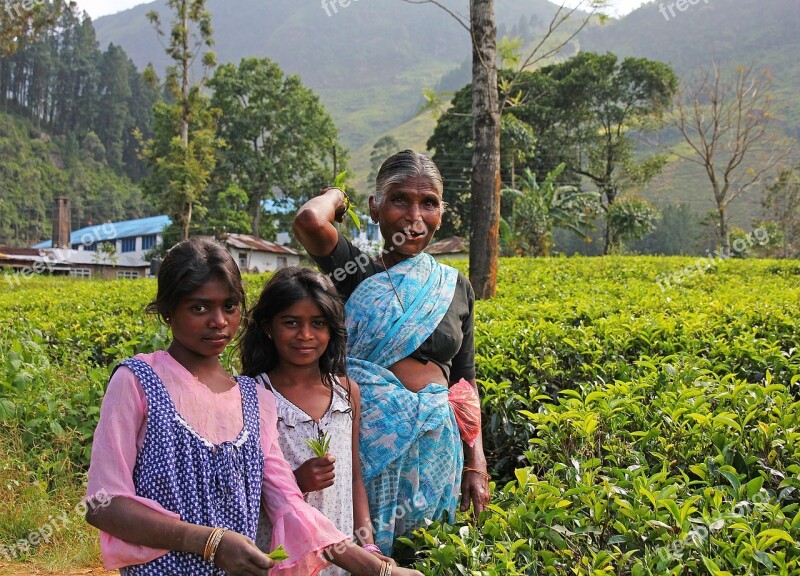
(475, 490)
(342, 207)
(239, 556)
(316, 474)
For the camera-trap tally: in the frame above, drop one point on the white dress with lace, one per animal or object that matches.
(294, 427)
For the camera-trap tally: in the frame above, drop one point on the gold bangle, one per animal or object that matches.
(481, 472)
(386, 569)
(207, 548)
(215, 543)
(345, 200)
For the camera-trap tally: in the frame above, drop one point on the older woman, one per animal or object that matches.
(410, 337)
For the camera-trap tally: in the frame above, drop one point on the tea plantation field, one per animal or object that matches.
(640, 417)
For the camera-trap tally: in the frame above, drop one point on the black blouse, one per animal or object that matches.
(451, 346)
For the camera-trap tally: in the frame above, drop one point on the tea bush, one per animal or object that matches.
(633, 425)
(634, 430)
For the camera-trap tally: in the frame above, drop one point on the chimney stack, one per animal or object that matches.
(62, 222)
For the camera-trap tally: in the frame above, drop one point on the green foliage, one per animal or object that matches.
(582, 113)
(657, 431)
(338, 182)
(37, 168)
(180, 171)
(538, 208)
(319, 445)
(630, 218)
(782, 203)
(279, 554)
(278, 136)
(631, 427)
(381, 150)
(182, 153)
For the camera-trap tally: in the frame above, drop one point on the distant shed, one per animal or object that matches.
(255, 254)
(453, 248)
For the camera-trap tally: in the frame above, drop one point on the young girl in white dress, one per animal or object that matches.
(294, 345)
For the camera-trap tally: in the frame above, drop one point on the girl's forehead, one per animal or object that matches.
(213, 288)
(306, 306)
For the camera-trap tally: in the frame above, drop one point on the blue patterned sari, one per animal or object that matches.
(411, 455)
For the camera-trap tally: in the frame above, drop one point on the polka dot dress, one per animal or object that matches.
(207, 484)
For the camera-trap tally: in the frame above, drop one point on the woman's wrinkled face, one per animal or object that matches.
(408, 216)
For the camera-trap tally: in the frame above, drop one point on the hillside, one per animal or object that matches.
(36, 168)
(368, 62)
(735, 32)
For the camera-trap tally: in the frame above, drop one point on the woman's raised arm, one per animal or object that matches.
(313, 225)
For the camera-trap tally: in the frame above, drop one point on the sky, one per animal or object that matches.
(97, 8)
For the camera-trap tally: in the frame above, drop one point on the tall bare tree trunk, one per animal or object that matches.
(485, 185)
(185, 63)
(724, 231)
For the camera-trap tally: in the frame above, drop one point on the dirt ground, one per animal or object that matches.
(30, 570)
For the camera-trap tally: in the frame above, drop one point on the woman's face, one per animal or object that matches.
(409, 215)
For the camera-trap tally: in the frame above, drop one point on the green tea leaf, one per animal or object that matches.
(338, 182)
(354, 217)
(279, 554)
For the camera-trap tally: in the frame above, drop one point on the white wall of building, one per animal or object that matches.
(262, 261)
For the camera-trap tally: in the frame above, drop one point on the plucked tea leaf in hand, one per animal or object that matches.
(279, 554)
(320, 445)
(338, 182)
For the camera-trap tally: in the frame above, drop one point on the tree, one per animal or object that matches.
(182, 155)
(630, 218)
(600, 101)
(581, 113)
(113, 110)
(381, 150)
(486, 109)
(725, 120)
(22, 22)
(485, 178)
(538, 208)
(782, 204)
(278, 135)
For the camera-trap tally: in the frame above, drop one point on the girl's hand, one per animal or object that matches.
(315, 474)
(405, 572)
(237, 555)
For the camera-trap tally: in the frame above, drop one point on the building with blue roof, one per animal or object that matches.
(131, 237)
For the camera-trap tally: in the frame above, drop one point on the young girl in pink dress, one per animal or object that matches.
(188, 454)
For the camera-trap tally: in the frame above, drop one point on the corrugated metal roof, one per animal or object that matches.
(248, 242)
(452, 245)
(115, 231)
(79, 257)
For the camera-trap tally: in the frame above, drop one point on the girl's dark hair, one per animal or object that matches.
(187, 266)
(287, 287)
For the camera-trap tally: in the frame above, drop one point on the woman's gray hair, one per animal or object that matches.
(402, 166)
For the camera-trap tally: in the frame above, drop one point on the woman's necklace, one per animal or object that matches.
(385, 269)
